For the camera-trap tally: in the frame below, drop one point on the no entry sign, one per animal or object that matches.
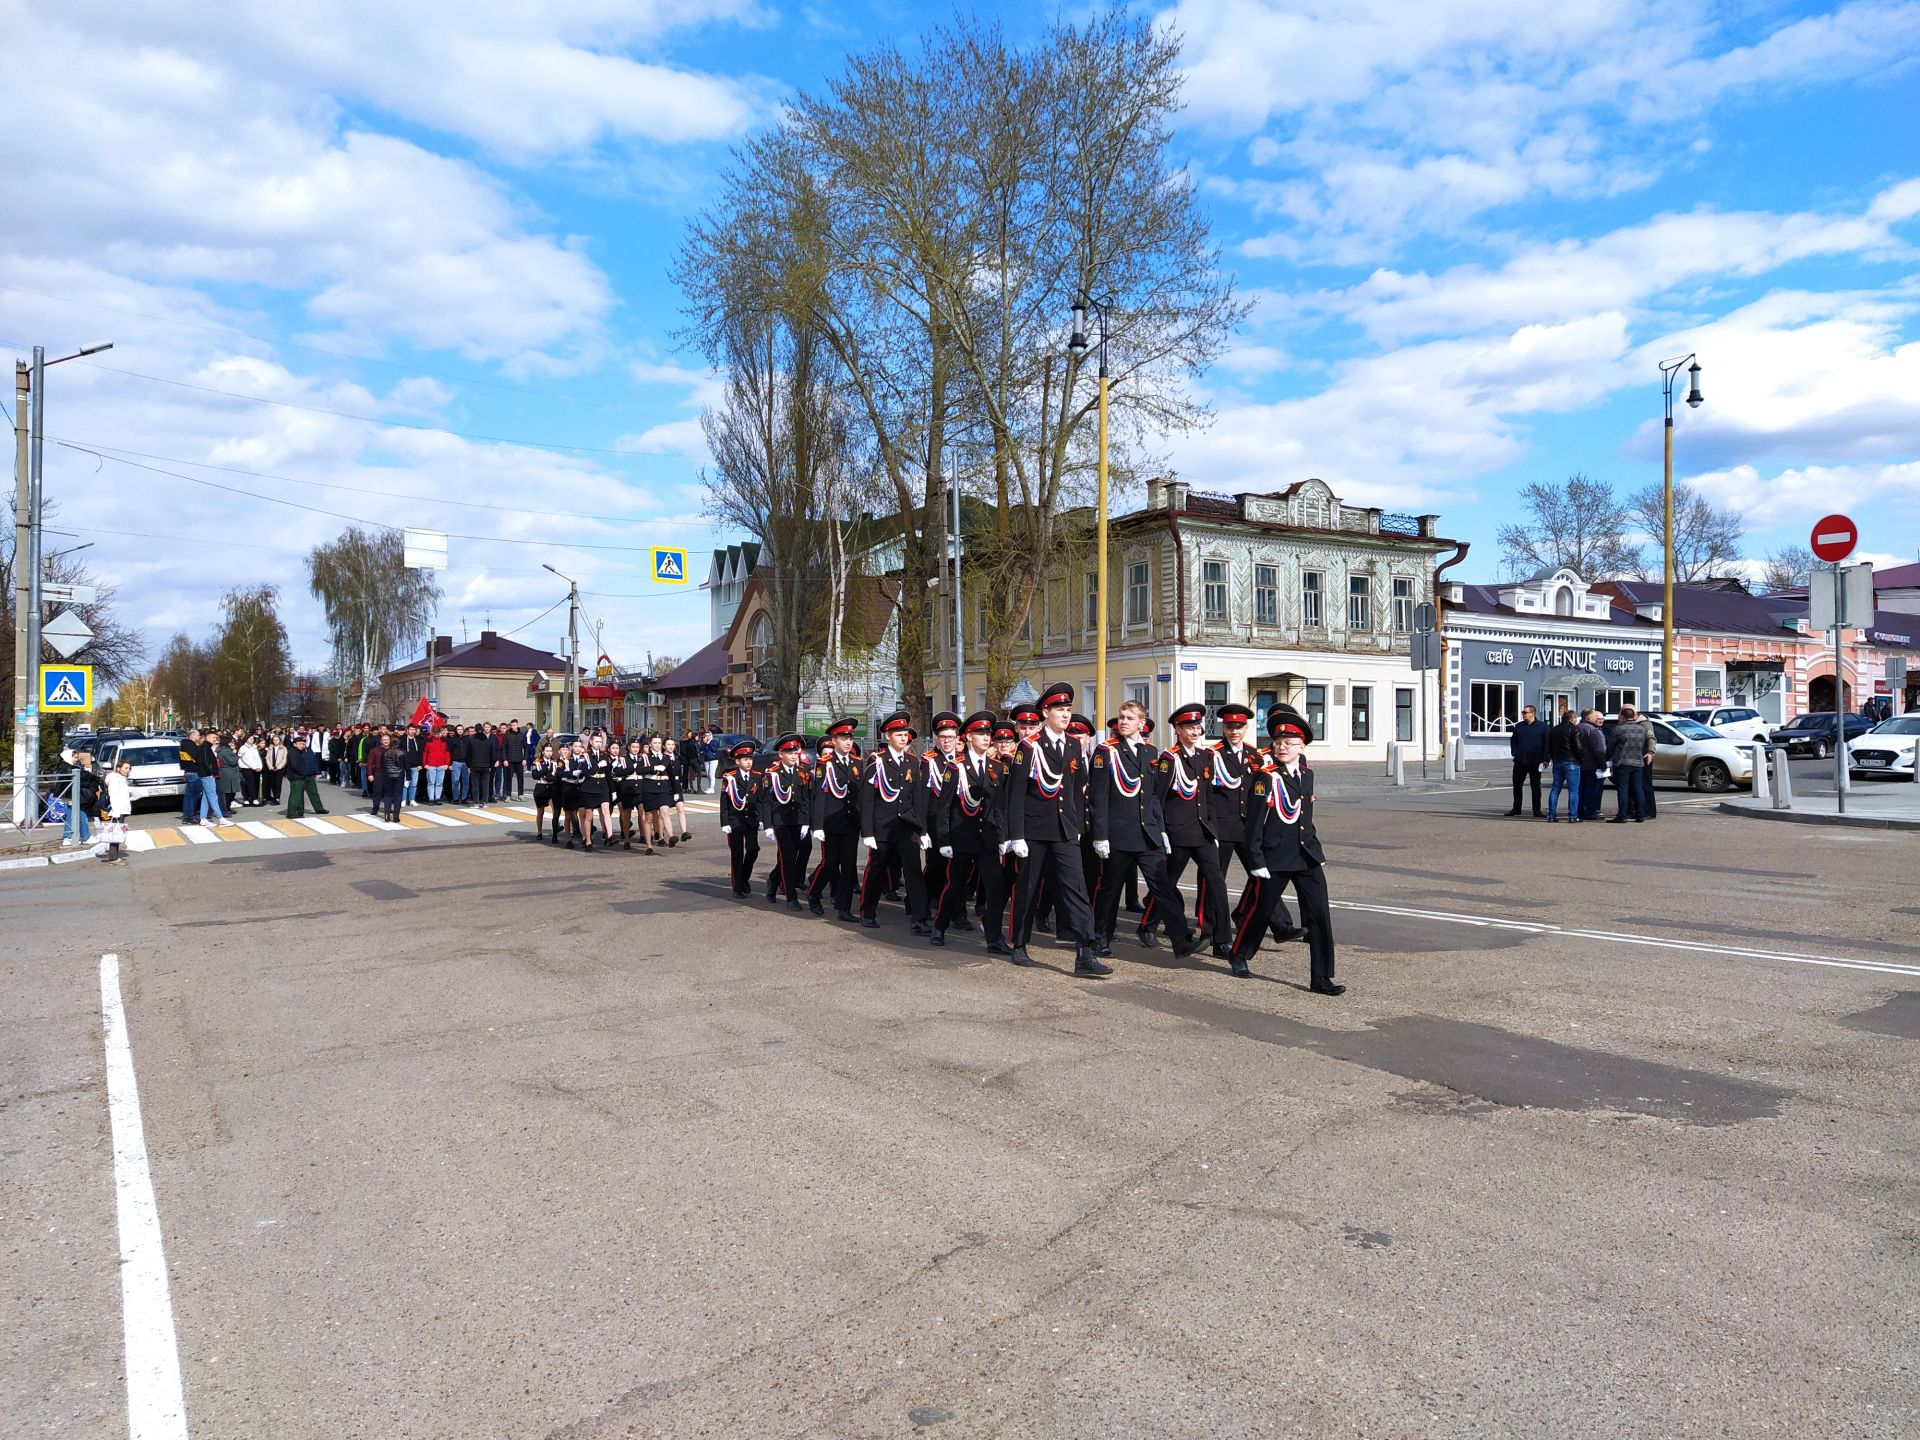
(1834, 538)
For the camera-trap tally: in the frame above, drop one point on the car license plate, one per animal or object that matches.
(1870, 760)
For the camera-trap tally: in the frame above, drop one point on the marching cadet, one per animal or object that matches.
(1092, 867)
(740, 816)
(1130, 833)
(1279, 821)
(836, 821)
(893, 821)
(1006, 739)
(1183, 774)
(783, 815)
(1233, 760)
(967, 834)
(546, 771)
(1046, 813)
(945, 748)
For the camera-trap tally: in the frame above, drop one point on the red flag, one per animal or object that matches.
(425, 714)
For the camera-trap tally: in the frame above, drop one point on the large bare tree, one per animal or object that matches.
(1579, 524)
(1706, 539)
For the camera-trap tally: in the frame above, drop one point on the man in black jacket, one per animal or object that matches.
(513, 742)
(1563, 755)
(202, 765)
(1527, 744)
(302, 766)
(1130, 832)
(836, 823)
(966, 831)
(1046, 801)
(480, 758)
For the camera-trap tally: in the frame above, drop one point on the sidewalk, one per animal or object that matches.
(1875, 806)
(1349, 779)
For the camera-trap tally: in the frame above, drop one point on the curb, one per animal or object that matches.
(1801, 817)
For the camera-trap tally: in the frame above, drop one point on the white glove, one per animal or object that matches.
(770, 834)
(1166, 844)
(869, 842)
(1102, 848)
(1005, 846)
(946, 852)
(1019, 848)
(819, 835)
(726, 829)
(926, 842)
(1261, 874)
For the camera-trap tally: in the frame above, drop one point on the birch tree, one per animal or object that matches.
(375, 607)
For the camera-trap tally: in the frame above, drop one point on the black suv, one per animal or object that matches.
(1813, 734)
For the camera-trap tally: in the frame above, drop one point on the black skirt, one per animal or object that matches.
(593, 794)
(542, 793)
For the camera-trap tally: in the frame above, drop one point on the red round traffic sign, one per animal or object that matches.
(1834, 538)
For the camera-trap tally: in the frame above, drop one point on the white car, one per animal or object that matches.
(156, 771)
(1887, 749)
(1736, 722)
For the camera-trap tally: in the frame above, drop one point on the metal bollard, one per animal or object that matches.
(1782, 781)
(1399, 766)
(1761, 789)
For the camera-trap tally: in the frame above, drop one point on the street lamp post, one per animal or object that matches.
(1669, 369)
(1077, 347)
(573, 650)
(29, 385)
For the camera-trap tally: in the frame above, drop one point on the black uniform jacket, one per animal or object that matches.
(1132, 824)
(1226, 789)
(740, 798)
(895, 791)
(1189, 818)
(784, 797)
(1288, 846)
(1047, 791)
(836, 797)
(969, 815)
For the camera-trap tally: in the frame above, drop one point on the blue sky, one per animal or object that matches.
(1471, 229)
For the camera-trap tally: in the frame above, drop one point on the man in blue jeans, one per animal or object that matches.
(1563, 754)
(202, 767)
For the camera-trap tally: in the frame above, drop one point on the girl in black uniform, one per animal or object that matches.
(616, 783)
(660, 792)
(546, 769)
(633, 763)
(740, 816)
(596, 792)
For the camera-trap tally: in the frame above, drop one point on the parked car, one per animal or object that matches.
(1736, 722)
(1890, 748)
(1814, 734)
(1702, 757)
(156, 768)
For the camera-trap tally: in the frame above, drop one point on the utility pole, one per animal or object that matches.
(959, 613)
(573, 650)
(26, 700)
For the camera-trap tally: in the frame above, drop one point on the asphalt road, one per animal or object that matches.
(1614, 1135)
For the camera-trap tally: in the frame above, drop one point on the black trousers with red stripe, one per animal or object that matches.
(1056, 865)
(964, 872)
(743, 849)
(901, 850)
(789, 870)
(839, 867)
(1210, 899)
(1118, 874)
(1310, 888)
(1282, 918)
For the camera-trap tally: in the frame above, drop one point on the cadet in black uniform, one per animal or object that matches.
(893, 821)
(1092, 867)
(1279, 820)
(566, 790)
(620, 775)
(945, 747)
(1233, 760)
(1046, 814)
(740, 816)
(836, 822)
(784, 805)
(966, 833)
(627, 791)
(1184, 773)
(1130, 833)
(546, 770)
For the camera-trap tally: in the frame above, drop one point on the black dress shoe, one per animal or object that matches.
(1018, 955)
(672, 840)
(1190, 946)
(846, 915)
(1147, 938)
(1223, 952)
(869, 924)
(773, 899)
(1513, 812)
(1329, 989)
(1084, 963)
(1283, 933)
(994, 947)
(1133, 909)
(920, 927)
(1238, 966)
(795, 906)
(963, 925)
(1104, 950)
(1618, 820)
(816, 907)
(939, 937)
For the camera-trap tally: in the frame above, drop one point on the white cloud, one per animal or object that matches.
(1800, 495)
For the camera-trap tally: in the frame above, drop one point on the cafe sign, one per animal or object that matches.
(1555, 657)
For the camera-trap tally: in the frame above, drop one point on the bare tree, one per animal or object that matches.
(1580, 525)
(1706, 540)
(375, 606)
(1787, 568)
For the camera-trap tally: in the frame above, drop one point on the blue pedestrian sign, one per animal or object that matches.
(67, 688)
(669, 566)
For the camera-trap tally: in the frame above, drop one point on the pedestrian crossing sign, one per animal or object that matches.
(66, 688)
(669, 566)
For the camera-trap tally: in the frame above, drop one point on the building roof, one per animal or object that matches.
(489, 652)
(706, 666)
(1899, 577)
(1711, 608)
(1485, 600)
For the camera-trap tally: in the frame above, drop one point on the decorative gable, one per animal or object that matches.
(1559, 593)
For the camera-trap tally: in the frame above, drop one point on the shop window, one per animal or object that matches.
(1403, 715)
(1316, 711)
(1216, 697)
(1361, 712)
(1493, 707)
(1709, 685)
(1610, 701)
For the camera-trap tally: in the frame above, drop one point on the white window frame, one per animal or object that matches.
(1493, 707)
(1719, 673)
(1410, 710)
(1316, 709)
(1360, 714)
(1313, 599)
(1403, 598)
(1224, 585)
(1139, 587)
(1360, 602)
(1266, 594)
(1090, 610)
(1613, 697)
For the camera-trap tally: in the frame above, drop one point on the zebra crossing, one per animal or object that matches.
(425, 819)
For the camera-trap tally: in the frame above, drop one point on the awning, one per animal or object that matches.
(601, 692)
(1758, 667)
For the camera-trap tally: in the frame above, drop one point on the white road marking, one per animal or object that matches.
(436, 818)
(199, 835)
(485, 814)
(260, 830)
(156, 1401)
(318, 826)
(519, 809)
(137, 841)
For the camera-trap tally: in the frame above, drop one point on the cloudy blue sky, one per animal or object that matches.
(432, 231)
